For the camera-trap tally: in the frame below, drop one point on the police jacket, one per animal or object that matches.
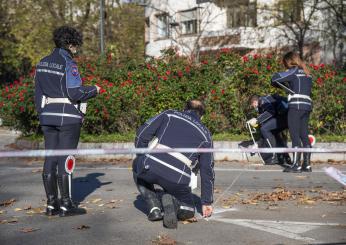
(298, 85)
(271, 106)
(59, 90)
(175, 129)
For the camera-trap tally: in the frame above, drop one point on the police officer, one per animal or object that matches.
(272, 120)
(297, 82)
(172, 171)
(59, 101)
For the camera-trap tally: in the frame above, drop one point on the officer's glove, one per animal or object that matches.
(253, 122)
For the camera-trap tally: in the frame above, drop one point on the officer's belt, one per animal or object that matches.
(181, 157)
(57, 100)
(47, 100)
(298, 96)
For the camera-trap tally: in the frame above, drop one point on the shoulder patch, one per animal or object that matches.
(74, 70)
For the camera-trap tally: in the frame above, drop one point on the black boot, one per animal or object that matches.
(287, 159)
(284, 159)
(153, 203)
(170, 219)
(274, 160)
(295, 168)
(67, 207)
(306, 162)
(51, 188)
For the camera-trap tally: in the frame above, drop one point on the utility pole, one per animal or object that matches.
(102, 13)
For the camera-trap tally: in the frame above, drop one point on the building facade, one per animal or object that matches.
(195, 27)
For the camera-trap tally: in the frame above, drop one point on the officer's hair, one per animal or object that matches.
(292, 59)
(65, 35)
(196, 106)
(253, 98)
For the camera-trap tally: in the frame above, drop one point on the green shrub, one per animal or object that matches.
(134, 92)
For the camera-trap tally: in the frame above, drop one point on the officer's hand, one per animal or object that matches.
(252, 122)
(207, 210)
(98, 88)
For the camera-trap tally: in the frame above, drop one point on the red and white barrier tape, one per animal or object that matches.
(113, 151)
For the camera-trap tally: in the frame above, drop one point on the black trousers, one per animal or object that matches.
(59, 137)
(270, 130)
(298, 123)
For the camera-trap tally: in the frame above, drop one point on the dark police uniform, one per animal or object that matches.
(58, 97)
(272, 118)
(298, 85)
(172, 171)
(272, 121)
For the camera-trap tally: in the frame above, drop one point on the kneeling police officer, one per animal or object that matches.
(60, 102)
(172, 171)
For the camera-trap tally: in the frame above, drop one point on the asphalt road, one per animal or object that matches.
(115, 213)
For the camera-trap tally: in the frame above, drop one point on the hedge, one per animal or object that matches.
(134, 92)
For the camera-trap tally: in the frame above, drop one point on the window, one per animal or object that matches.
(147, 30)
(291, 11)
(241, 13)
(162, 25)
(188, 22)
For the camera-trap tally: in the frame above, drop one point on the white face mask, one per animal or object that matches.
(73, 49)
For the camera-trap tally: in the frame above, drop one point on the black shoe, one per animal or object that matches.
(273, 161)
(68, 208)
(155, 214)
(170, 219)
(50, 186)
(306, 167)
(293, 169)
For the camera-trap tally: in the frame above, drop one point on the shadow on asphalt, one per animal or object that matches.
(84, 186)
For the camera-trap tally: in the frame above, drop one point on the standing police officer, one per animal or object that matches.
(272, 120)
(59, 101)
(172, 171)
(298, 83)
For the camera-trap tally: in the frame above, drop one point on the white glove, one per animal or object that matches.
(252, 122)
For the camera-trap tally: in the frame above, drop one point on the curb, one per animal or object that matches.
(34, 145)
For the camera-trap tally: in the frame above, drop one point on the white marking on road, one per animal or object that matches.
(289, 229)
(223, 210)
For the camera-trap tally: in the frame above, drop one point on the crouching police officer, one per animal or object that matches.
(272, 120)
(59, 101)
(172, 171)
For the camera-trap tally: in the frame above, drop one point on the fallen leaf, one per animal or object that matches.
(189, 221)
(217, 190)
(18, 209)
(8, 221)
(83, 227)
(2, 211)
(7, 202)
(301, 176)
(109, 189)
(164, 240)
(27, 208)
(38, 210)
(27, 230)
(39, 170)
(96, 200)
